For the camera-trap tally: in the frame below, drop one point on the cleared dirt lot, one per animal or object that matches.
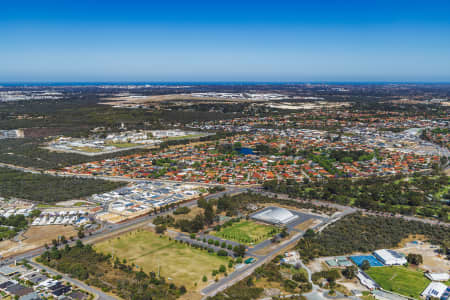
(308, 224)
(130, 100)
(432, 261)
(35, 237)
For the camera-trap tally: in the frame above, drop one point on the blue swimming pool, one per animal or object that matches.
(246, 151)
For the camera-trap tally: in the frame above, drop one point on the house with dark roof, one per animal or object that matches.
(18, 290)
(6, 284)
(61, 290)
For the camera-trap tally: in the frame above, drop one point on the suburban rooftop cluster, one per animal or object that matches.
(281, 157)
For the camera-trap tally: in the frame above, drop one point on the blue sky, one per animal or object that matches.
(346, 40)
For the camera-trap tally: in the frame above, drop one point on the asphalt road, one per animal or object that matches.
(240, 273)
(104, 231)
(245, 271)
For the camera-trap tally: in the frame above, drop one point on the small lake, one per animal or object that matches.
(246, 151)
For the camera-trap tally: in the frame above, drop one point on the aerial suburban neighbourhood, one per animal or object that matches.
(225, 150)
(225, 195)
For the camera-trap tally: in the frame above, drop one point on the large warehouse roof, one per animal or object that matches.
(275, 215)
(390, 257)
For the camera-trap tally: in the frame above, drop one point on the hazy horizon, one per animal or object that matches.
(200, 41)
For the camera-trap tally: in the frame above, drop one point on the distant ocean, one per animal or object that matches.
(175, 83)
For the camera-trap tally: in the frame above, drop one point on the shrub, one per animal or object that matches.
(182, 210)
(222, 253)
(365, 265)
(300, 277)
(160, 229)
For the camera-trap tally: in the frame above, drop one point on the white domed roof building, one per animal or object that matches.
(275, 215)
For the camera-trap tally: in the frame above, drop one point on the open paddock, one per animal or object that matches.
(35, 237)
(179, 262)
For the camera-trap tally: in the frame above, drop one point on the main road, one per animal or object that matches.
(344, 207)
(239, 274)
(247, 270)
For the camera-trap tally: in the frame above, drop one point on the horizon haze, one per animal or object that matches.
(290, 41)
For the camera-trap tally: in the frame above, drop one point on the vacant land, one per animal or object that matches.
(308, 224)
(126, 100)
(195, 210)
(49, 189)
(108, 274)
(35, 237)
(400, 280)
(124, 145)
(247, 232)
(433, 261)
(185, 265)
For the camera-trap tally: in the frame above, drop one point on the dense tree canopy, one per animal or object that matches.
(360, 233)
(47, 188)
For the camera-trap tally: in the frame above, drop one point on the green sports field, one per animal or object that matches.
(185, 265)
(247, 232)
(400, 280)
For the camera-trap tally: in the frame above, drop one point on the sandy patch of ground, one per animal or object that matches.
(75, 203)
(132, 100)
(35, 237)
(266, 250)
(308, 224)
(111, 218)
(432, 261)
(192, 295)
(447, 171)
(318, 264)
(416, 237)
(353, 284)
(308, 105)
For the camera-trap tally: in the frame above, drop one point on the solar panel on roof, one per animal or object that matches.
(395, 254)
